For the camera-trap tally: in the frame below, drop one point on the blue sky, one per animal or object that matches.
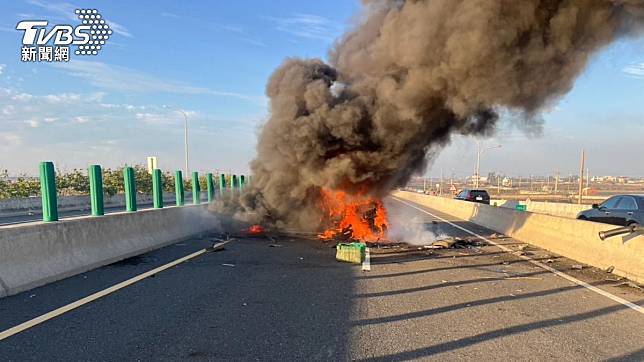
(212, 60)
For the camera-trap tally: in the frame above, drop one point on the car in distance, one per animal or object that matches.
(480, 196)
(625, 210)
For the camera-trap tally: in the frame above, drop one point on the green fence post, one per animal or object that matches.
(96, 189)
(211, 187)
(48, 192)
(129, 183)
(242, 182)
(234, 185)
(178, 188)
(222, 184)
(196, 189)
(157, 189)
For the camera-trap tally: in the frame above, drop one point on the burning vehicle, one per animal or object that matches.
(352, 217)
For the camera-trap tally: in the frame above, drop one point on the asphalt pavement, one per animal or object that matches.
(287, 299)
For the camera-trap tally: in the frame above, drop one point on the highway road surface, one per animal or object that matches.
(289, 300)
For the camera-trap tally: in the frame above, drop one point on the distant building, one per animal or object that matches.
(482, 179)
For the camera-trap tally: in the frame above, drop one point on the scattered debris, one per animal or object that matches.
(497, 236)
(31, 296)
(274, 245)
(224, 238)
(214, 249)
(550, 261)
(301, 258)
(522, 278)
(448, 243)
(244, 304)
(577, 266)
(610, 269)
(629, 284)
(351, 252)
(443, 244)
(225, 264)
(505, 263)
(523, 247)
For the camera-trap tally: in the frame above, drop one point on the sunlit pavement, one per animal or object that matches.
(290, 300)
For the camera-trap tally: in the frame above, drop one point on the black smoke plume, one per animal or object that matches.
(406, 78)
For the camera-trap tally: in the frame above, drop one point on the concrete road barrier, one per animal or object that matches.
(34, 254)
(33, 205)
(574, 239)
(561, 209)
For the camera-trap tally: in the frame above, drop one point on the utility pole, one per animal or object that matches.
(498, 185)
(556, 181)
(440, 191)
(581, 174)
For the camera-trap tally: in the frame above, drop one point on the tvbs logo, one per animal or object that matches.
(43, 45)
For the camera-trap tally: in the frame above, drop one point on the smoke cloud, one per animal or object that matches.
(406, 78)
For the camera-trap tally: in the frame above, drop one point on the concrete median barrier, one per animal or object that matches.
(571, 238)
(33, 205)
(549, 208)
(34, 254)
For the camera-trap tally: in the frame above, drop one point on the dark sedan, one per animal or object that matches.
(622, 210)
(480, 196)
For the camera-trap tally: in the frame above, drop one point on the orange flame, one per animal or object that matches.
(357, 217)
(255, 230)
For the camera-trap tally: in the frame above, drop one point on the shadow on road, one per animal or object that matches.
(499, 333)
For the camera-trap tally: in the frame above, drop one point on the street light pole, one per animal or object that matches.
(479, 152)
(185, 141)
(478, 163)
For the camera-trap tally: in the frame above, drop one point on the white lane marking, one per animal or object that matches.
(90, 298)
(366, 264)
(535, 262)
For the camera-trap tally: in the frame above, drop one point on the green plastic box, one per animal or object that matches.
(350, 252)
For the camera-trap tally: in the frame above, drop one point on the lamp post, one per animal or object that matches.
(185, 140)
(479, 152)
